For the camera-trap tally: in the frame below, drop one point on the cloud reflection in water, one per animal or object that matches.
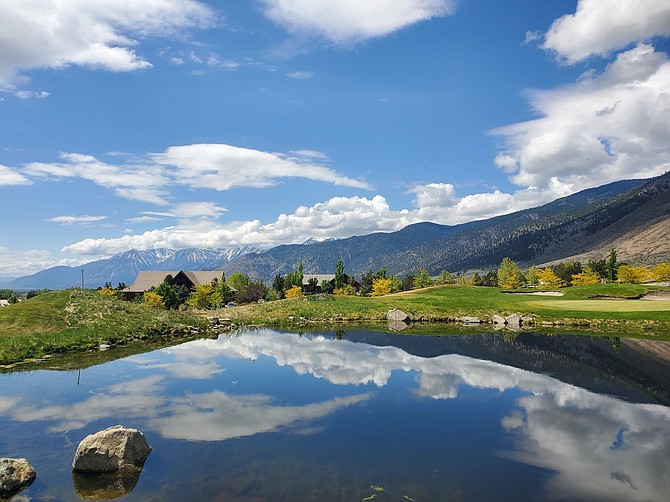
(598, 446)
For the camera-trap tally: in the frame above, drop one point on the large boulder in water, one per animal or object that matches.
(15, 475)
(397, 315)
(116, 449)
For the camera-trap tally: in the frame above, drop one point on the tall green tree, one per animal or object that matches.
(223, 293)
(299, 276)
(252, 292)
(366, 283)
(278, 285)
(326, 287)
(173, 294)
(599, 267)
(423, 280)
(407, 283)
(612, 266)
(566, 270)
(339, 275)
(446, 277)
(238, 281)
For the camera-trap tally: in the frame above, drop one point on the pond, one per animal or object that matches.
(263, 415)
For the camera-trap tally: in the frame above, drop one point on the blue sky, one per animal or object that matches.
(183, 123)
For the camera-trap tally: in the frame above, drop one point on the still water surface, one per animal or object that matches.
(272, 416)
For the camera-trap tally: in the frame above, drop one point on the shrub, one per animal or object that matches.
(107, 291)
(347, 290)
(153, 300)
(294, 292)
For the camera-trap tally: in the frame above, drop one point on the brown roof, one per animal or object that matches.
(200, 277)
(319, 277)
(151, 279)
(147, 280)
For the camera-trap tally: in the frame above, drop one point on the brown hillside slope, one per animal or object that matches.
(640, 237)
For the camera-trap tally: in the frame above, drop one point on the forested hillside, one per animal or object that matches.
(586, 224)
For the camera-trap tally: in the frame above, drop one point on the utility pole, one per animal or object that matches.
(82, 279)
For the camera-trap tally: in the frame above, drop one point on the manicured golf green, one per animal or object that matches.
(613, 305)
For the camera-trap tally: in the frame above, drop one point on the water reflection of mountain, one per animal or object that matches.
(635, 370)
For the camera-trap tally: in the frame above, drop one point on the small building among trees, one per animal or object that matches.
(145, 281)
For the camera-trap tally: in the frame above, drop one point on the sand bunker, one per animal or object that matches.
(536, 293)
(657, 295)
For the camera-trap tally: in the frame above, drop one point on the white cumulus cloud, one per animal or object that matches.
(338, 217)
(599, 27)
(605, 127)
(132, 181)
(200, 166)
(96, 34)
(347, 21)
(20, 262)
(222, 167)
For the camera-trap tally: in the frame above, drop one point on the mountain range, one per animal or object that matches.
(124, 267)
(632, 216)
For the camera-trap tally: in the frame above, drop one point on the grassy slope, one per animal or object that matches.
(75, 320)
(577, 306)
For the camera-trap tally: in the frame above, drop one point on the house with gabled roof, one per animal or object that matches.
(147, 280)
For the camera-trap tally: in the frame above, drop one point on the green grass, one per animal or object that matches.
(579, 306)
(79, 321)
(76, 320)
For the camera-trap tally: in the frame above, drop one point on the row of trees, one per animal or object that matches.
(241, 289)
(15, 296)
(574, 273)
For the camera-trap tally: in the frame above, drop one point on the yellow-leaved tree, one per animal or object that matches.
(661, 272)
(631, 274)
(585, 278)
(509, 274)
(205, 296)
(381, 286)
(548, 278)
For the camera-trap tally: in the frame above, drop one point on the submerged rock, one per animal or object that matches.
(396, 325)
(104, 486)
(15, 475)
(116, 449)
